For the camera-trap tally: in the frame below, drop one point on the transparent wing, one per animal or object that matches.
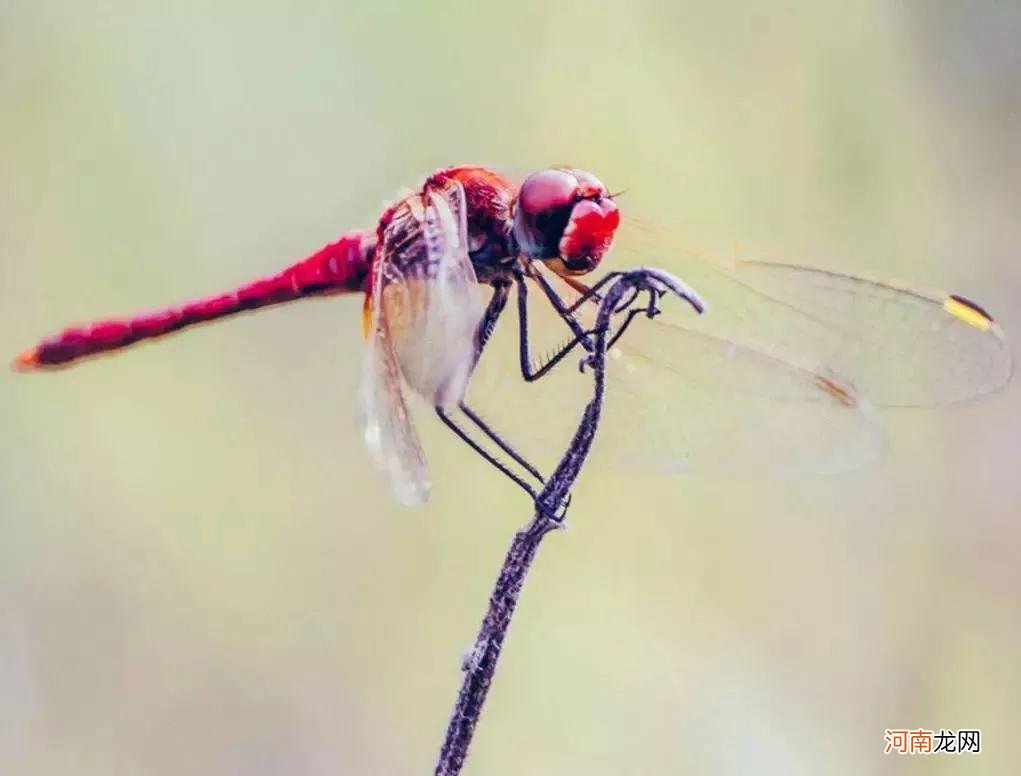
(778, 376)
(389, 430)
(425, 305)
(680, 399)
(901, 346)
(905, 347)
(690, 400)
(437, 306)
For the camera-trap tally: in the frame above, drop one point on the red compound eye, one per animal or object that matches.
(546, 190)
(566, 218)
(589, 185)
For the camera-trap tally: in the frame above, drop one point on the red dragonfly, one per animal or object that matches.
(781, 376)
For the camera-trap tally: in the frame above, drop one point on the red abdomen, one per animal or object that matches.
(340, 267)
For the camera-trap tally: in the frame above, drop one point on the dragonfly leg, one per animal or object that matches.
(528, 371)
(497, 303)
(567, 310)
(650, 310)
(584, 338)
(500, 442)
(465, 437)
(485, 329)
(554, 512)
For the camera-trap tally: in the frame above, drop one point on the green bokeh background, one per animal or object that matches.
(201, 573)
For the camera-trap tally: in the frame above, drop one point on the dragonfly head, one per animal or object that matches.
(565, 218)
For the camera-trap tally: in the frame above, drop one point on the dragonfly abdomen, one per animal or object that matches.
(337, 268)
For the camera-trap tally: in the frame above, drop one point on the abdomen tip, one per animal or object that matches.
(26, 360)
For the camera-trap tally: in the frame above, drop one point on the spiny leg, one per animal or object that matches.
(500, 441)
(493, 311)
(485, 329)
(566, 312)
(465, 437)
(597, 341)
(623, 304)
(483, 332)
(556, 512)
(524, 351)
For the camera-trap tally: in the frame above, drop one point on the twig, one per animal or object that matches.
(479, 665)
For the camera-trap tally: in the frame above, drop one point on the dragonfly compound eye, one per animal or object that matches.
(566, 218)
(543, 209)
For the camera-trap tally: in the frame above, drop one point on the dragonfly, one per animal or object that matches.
(783, 374)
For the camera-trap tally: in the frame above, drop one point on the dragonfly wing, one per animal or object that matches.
(679, 399)
(905, 347)
(688, 400)
(389, 430)
(901, 346)
(425, 306)
(435, 309)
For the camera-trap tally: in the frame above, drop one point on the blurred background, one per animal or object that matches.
(201, 573)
